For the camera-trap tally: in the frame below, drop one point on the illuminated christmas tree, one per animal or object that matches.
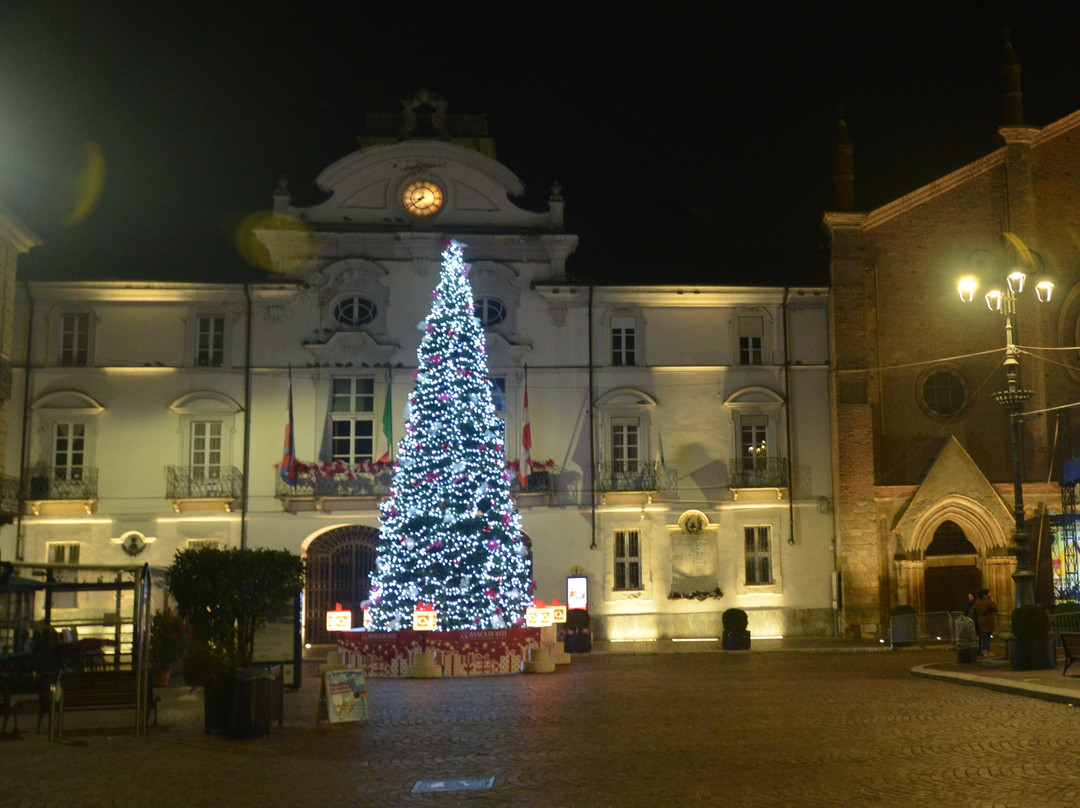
(449, 533)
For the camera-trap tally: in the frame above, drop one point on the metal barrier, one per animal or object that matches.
(933, 628)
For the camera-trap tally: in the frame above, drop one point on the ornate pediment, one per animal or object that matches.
(354, 348)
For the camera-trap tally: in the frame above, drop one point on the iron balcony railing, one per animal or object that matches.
(539, 482)
(9, 495)
(336, 479)
(199, 482)
(611, 477)
(758, 472)
(42, 482)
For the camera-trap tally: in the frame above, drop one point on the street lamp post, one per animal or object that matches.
(1012, 399)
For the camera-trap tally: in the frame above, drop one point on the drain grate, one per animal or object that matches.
(453, 784)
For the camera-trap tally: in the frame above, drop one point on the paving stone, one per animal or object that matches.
(739, 729)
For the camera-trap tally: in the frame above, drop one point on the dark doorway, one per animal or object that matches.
(947, 587)
(338, 569)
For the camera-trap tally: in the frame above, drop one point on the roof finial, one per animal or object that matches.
(1012, 96)
(843, 165)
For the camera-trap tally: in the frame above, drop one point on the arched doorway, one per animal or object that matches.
(951, 568)
(338, 569)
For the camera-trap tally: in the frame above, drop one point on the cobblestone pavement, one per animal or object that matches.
(705, 729)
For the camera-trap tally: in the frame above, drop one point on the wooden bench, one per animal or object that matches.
(1070, 643)
(96, 690)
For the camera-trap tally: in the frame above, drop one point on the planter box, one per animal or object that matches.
(1032, 655)
(735, 641)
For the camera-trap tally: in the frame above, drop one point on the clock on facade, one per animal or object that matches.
(422, 198)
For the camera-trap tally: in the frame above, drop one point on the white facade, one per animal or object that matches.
(176, 395)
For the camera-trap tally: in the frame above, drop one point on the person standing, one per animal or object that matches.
(985, 609)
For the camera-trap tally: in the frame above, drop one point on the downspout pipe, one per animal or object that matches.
(246, 471)
(787, 418)
(592, 423)
(24, 443)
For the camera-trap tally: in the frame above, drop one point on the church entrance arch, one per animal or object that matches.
(338, 568)
(951, 569)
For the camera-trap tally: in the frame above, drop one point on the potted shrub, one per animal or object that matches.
(1032, 646)
(226, 597)
(167, 634)
(903, 625)
(736, 636)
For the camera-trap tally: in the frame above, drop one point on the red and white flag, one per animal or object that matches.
(525, 463)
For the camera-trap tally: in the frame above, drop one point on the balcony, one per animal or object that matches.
(201, 488)
(60, 490)
(758, 472)
(335, 485)
(539, 486)
(9, 498)
(647, 480)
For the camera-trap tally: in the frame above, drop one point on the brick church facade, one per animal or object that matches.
(924, 478)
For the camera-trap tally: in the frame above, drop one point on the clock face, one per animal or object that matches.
(422, 198)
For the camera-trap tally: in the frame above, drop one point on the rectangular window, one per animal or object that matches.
(64, 552)
(753, 440)
(624, 448)
(758, 559)
(751, 341)
(498, 395)
(75, 340)
(627, 559)
(206, 446)
(69, 450)
(623, 341)
(210, 342)
(498, 398)
(352, 408)
(201, 544)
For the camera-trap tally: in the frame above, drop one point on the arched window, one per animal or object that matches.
(490, 311)
(949, 539)
(355, 311)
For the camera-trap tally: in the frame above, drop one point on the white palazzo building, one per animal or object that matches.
(681, 437)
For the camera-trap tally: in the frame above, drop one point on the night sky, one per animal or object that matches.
(643, 113)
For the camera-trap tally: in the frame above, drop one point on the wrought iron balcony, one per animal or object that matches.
(643, 478)
(43, 482)
(539, 482)
(758, 472)
(336, 480)
(198, 482)
(9, 497)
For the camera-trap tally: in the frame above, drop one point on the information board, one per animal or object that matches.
(342, 696)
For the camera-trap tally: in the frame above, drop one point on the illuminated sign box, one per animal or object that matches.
(339, 620)
(577, 592)
(539, 616)
(425, 618)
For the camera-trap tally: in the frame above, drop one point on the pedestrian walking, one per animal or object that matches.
(985, 609)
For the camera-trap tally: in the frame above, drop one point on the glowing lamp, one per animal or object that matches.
(424, 617)
(1043, 290)
(966, 287)
(1016, 281)
(993, 299)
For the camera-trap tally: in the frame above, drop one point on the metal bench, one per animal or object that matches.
(97, 690)
(1070, 643)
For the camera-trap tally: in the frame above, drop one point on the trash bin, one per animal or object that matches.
(967, 640)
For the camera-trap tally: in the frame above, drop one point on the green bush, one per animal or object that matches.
(734, 620)
(1067, 607)
(1030, 622)
(226, 597)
